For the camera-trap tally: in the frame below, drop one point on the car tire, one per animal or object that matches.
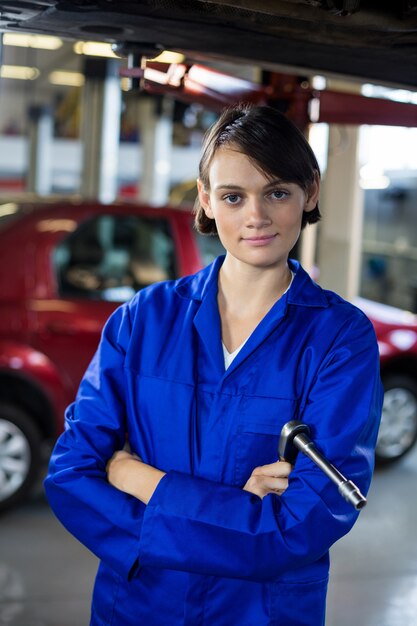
(20, 444)
(398, 430)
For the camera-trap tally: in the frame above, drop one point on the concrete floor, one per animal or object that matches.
(46, 576)
(374, 568)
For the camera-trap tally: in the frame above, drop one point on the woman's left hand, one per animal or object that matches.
(128, 473)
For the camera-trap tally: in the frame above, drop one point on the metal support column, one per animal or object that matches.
(307, 245)
(40, 137)
(307, 249)
(155, 124)
(100, 131)
(342, 208)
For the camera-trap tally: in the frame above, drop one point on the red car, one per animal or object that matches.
(64, 267)
(396, 331)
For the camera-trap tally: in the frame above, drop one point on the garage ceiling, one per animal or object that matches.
(375, 40)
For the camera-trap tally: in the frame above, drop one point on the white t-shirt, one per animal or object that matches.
(229, 356)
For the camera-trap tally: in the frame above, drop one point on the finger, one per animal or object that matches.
(262, 485)
(276, 485)
(278, 469)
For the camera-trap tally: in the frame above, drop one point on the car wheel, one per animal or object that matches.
(19, 455)
(398, 430)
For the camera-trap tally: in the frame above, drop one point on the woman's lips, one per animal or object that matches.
(261, 240)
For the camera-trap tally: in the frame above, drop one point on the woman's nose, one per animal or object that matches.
(257, 213)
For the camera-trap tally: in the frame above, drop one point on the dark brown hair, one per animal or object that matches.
(277, 147)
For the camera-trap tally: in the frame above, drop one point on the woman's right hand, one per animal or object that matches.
(272, 478)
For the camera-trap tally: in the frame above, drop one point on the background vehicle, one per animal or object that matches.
(65, 266)
(396, 331)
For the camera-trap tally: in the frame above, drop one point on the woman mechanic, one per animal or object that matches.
(200, 523)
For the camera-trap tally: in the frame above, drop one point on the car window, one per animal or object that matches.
(111, 257)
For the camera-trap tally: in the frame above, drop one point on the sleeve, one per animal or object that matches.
(199, 526)
(103, 518)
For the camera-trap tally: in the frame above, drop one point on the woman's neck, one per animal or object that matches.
(245, 296)
(247, 288)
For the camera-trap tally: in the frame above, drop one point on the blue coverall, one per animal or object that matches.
(204, 552)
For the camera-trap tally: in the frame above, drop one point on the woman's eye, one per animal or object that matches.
(232, 198)
(279, 194)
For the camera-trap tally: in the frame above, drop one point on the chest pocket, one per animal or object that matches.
(260, 423)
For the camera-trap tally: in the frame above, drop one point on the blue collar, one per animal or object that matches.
(303, 292)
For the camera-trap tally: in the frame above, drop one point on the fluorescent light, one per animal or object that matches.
(44, 42)
(94, 49)
(319, 82)
(8, 209)
(63, 77)
(167, 56)
(381, 182)
(20, 72)
(399, 95)
(371, 177)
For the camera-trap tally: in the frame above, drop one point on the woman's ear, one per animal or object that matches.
(313, 194)
(204, 198)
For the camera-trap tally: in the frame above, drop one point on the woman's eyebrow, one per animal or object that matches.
(227, 186)
(269, 185)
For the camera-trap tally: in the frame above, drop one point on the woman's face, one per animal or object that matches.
(258, 219)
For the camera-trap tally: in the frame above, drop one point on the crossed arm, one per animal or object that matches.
(128, 473)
